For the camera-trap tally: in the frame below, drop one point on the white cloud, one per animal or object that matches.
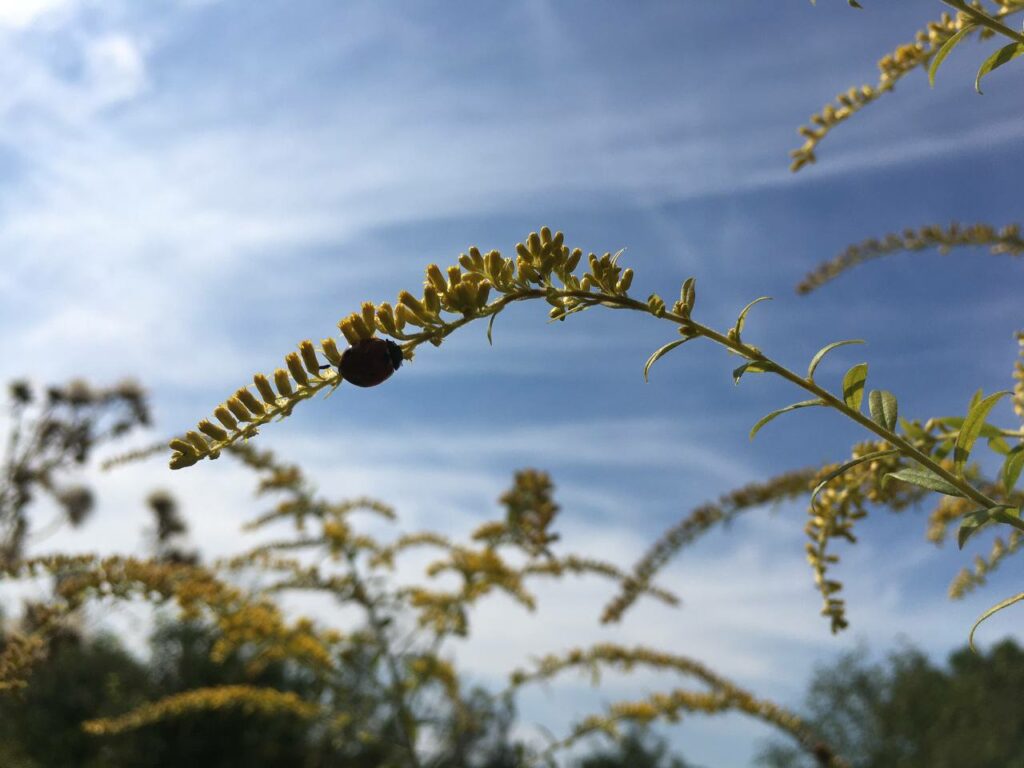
(19, 14)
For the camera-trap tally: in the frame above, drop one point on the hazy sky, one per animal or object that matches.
(187, 189)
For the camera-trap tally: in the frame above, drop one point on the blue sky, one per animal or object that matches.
(189, 188)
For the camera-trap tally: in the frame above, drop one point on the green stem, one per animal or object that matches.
(982, 18)
(743, 350)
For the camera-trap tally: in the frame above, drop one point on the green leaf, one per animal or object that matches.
(849, 465)
(660, 353)
(996, 60)
(925, 478)
(490, 327)
(765, 419)
(994, 609)
(999, 445)
(1012, 468)
(754, 366)
(853, 385)
(943, 52)
(742, 319)
(990, 431)
(820, 355)
(976, 398)
(972, 523)
(912, 430)
(971, 428)
(883, 409)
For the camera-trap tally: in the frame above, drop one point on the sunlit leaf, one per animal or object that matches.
(996, 60)
(994, 609)
(943, 52)
(971, 428)
(742, 319)
(882, 405)
(660, 353)
(765, 419)
(1012, 468)
(999, 445)
(820, 355)
(925, 478)
(989, 431)
(853, 385)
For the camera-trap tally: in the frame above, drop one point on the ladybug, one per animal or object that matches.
(370, 362)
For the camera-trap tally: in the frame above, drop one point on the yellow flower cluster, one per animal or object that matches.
(240, 416)
(967, 580)
(19, 651)
(242, 621)
(1007, 240)
(695, 524)
(723, 695)
(250, 699)
(892, 67)
(838, 507)
(542, 268)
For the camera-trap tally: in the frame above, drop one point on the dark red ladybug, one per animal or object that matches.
(370, 362)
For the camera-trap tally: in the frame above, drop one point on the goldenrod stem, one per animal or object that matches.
(982, 18)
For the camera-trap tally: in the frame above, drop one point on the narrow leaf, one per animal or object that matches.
(490, 327)
(972, 523)
(912, 430)
(994, 609)
(848, 465)
(990, 431)
(943, 52)
(971, 428)
(1012, 468)
(765, 419)
(853, 385)
(999, 445)
(882, 405)
(820, 355)
(660, 353)
(996, 60)
(742, 319)
(754, 366)
(926, 479)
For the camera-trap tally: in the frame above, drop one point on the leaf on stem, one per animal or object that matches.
(754, 366)
(765, 419)
(1012, 468)
(853, 385)
(996, 60)
(972, 426)
(820, 355)
(943, 52)
(925, 478)
(882, 405)
(994, 609)
(660, 353)
(742, 319)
